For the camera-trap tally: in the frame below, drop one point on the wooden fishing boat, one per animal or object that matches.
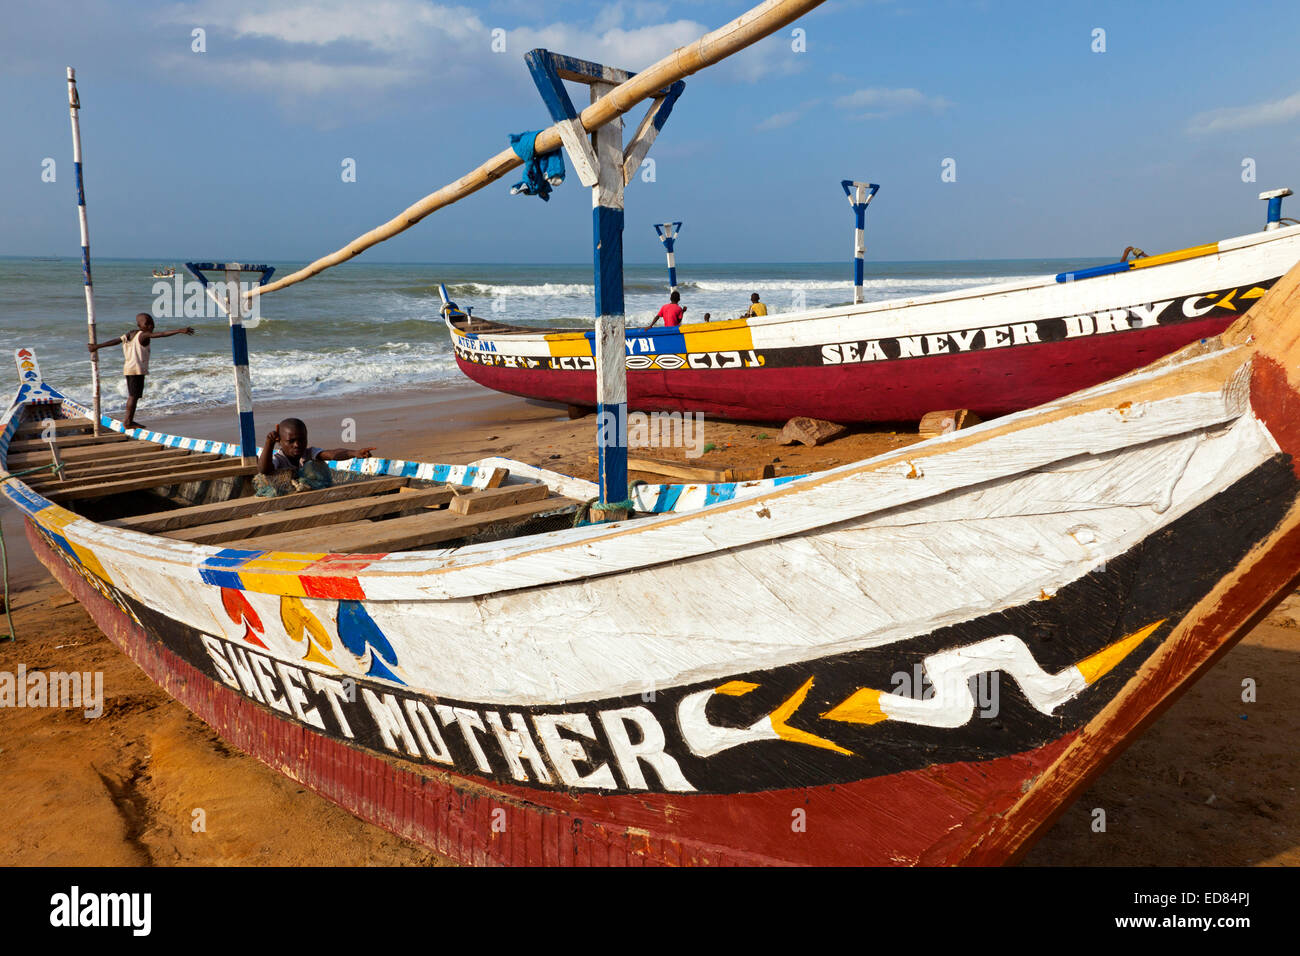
(916, 659)
(994, 350)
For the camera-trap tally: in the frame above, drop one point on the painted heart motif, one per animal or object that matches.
(241, 612)
(361, 635)
(302, 625)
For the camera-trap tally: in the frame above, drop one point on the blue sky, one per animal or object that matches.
(236, 152)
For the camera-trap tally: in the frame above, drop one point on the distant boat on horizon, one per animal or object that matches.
(164, 273)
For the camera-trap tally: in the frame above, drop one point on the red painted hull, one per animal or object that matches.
(989, 382)
(932, 816)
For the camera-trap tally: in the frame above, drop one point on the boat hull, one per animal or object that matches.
(988, 383)
(870, 791)
(995, 350)
(485, 825)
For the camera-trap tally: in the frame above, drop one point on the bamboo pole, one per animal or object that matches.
(74, 104)
(749, 28)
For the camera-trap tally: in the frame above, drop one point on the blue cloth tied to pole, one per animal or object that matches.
(540, 172)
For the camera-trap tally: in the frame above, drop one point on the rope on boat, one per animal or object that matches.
(582, 514)
(55, 467)
(750, 27)
(4, 562)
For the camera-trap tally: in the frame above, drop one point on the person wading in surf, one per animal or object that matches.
(135, 358)
(671, 312)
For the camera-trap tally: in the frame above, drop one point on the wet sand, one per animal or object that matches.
(1213, 782)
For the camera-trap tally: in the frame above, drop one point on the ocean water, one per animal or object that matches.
(375, 327)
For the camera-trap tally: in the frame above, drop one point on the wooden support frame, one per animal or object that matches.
(233, 304)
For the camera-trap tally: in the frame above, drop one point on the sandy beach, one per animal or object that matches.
(1212, 782)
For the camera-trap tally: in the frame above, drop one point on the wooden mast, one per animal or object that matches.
(745, 30)
(74, 104)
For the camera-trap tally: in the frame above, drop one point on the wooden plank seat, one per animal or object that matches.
(68, 441)
(135, 469)
(204, 471)
(139, 459)
(401, 533)
(219, 511)
(97, 453)
(300, 520)
(62, 426)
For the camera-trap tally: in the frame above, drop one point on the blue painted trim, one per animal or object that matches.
(1093, 272)
(541, 64)
(247, 435)
(1275, 209)
(81, 188)
(607, 252)
(668, 241)
(857, 271)
(239, 345)
(672, 278)
(613, 456)
(666, 107)
(584, 71)
(197, 269)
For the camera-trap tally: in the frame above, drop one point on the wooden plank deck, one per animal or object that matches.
(400, 534)
(305, 519)
(219, 511)
(98, 453)
(494, 498)
(68, 441)
(201, 472)
(62, 426)
(136, 468)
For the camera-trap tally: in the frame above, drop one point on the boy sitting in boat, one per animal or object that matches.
(135, 358)
(671, 312)
(755, 307)
(295, 466)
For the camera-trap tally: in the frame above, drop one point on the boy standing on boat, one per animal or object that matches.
(295, 466)
(671, 312)
(135, 358)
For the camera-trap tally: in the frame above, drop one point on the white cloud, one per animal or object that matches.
(633, 49)
(883, 103)
(384, 26)
(779, 120)
(361, 55)
(1246, 117)
(298, 78)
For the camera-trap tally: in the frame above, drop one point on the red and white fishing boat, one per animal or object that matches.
(993, 350)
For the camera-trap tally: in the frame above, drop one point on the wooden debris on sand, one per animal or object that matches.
(810, 431)
(948, 420)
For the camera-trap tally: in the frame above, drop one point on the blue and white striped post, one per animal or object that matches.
(1274, 197)
(604, 165)
(233, 305)
(611, 348)
(859, 197)
(239, 354)
(668, 233)
(74, 104)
